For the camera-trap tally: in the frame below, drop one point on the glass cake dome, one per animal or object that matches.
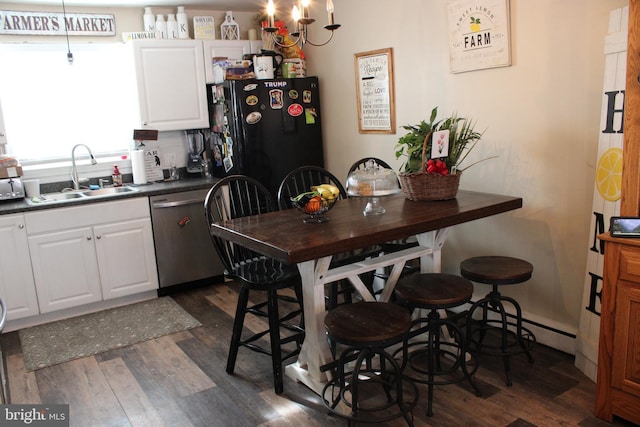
(373, 182)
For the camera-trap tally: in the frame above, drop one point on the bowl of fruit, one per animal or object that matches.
(317, 202)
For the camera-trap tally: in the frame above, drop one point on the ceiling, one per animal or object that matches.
(239, 5)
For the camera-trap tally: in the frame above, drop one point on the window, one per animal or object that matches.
(50, 105)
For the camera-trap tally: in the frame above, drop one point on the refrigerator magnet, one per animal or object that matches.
(295, 110)
(306, 96)
(293, 94)
(228, 164)
(310, 115)
(275, 96)
(251, 100)
(253, 118)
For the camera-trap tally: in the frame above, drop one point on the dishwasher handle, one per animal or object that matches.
(166, 204)
(3, 318)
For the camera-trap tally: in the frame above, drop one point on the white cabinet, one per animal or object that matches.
(126, 258)
(3, 132)
(65, 268)
(232, 49)
(16, 280)
(171, 84)
(88, 253)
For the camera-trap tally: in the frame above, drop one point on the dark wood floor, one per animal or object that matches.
(180, 380)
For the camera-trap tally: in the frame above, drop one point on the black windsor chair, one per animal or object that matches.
(238, 196)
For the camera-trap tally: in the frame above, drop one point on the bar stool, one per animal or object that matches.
(367, 328)
(514, 338)
(436, 360)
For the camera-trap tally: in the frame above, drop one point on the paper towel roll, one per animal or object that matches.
(137, 166)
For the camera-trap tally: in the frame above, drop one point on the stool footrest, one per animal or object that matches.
(477, 340)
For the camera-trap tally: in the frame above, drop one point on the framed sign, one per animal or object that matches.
(374, 91)
(478, 34)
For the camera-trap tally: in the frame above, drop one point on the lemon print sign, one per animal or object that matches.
(609, 174)
(478, 34)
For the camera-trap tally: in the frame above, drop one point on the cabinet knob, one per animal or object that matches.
(21, 226)
(88, 237)
(99, 236)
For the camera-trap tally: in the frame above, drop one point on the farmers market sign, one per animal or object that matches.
(56, 24)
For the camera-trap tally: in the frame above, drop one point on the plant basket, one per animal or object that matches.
(424, 186)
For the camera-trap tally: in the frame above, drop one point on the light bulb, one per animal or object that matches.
(271, 10)
(330, 6)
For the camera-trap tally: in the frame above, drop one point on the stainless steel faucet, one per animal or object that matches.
(74, 168)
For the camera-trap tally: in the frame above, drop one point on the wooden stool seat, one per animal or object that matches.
(427, 356)
(434, 290)
(512, 338)
(366, 328)
(367, 324)
(496, 270)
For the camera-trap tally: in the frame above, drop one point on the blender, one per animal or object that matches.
(195, 144)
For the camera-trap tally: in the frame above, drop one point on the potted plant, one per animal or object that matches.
(425, 175)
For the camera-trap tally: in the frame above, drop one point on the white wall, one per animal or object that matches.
(541, 117)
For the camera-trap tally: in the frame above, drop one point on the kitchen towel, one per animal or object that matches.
(138, 168)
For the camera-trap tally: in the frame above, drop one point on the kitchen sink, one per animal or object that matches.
(108, 191)
(57, 197)
(78, 195)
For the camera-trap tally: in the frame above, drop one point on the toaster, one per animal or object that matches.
(11, 188)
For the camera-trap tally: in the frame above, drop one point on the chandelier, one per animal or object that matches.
(301, 20)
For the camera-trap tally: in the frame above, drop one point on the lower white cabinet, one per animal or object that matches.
(93, 252)
(17, 287)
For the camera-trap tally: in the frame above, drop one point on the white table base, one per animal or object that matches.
(316, 274)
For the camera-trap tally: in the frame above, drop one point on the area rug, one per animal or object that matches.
(68, 339)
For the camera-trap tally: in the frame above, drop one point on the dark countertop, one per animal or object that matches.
(153, 189)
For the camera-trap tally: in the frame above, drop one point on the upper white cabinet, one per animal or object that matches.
(17, 287)
(171, 84)
(232, 49)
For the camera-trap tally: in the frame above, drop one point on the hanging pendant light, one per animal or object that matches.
(66, 32)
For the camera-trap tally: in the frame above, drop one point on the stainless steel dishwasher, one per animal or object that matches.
(185, 253)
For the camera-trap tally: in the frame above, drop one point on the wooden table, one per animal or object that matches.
(283, 236)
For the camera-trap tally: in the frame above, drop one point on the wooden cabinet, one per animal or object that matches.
(618, 382)
(232, 49)
(17, 287)
(171, 84)
(89, 253)
(618, 390)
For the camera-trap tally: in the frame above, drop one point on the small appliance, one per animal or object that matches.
(11, 188)
(195, 144)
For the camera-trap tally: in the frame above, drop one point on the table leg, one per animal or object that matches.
(315, 350)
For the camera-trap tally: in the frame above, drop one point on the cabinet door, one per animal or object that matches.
(3, 132)
(625, 365)
(17, 287)
(171, 84)
(65, 269)
(232, 49)
(126, 258)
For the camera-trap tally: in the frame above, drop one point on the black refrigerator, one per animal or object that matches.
(264, 128)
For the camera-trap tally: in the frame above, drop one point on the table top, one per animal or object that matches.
(282, 235)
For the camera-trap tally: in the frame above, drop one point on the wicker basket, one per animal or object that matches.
(423, 186)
